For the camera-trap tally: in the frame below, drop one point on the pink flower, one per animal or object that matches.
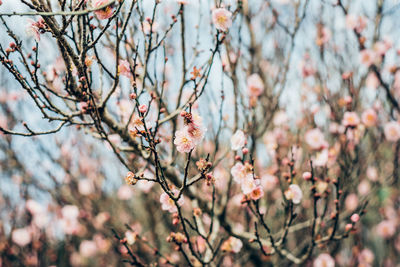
(85, 187)
(321, 158)
(368, 57)
(238, 140)
(364, 188)
(248, 185)
(386, 229)
(124, 68)
(350, 119)
(357, 23)
(70, 212)
(307, 175)
(257, 193)
(324, 260)
(355, 218)
(196, 132)
(88, 248)
(168, 204)
(366, 256)
(315, 139)
(32, 29)
(21, 237)
(294, 193)
(241, 172)
(255, 85)
(137, 123)
(143, 108)
(222, 19)
(34, 207)
(184, 141)
(369, 117)
(233, 244)
(351, 202)
(392, 131)
(104, 13)
(372, 174)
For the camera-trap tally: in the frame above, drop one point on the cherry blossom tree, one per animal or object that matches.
(199, 133)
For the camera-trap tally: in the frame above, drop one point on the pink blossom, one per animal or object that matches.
(241, 172)
(321, 158)
(131, 237)
(69, 222)
(143, 108)
(324, 260)
(222, 19)
(355, 218)
(137, 123)
(357, 23)
(32, 29)
(280, 118)
(183, 141)
(364, 188)
(307, 175)
(168, 204)
(392, 131)
(86, 187)
(315, 139)
(368, 57)
(386, 229)
(294, 193)
(369, 117)
(248, 185)
(257, 193)
(372, 174)
(21, 237)
(70, 212)
(255, 85)
(88, 248)
(238, 140)
(233, 244)
(34, 207)
(351, 202)
(350, 119)
(124, 68)
(366, 256)
(196, 132)
(104, 13)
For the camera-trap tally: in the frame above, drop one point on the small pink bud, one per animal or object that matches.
(245, 151)
(183, 113)
(133, 96)
(355, 218)
(348, 227)
(307, 176)
(143, 108)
